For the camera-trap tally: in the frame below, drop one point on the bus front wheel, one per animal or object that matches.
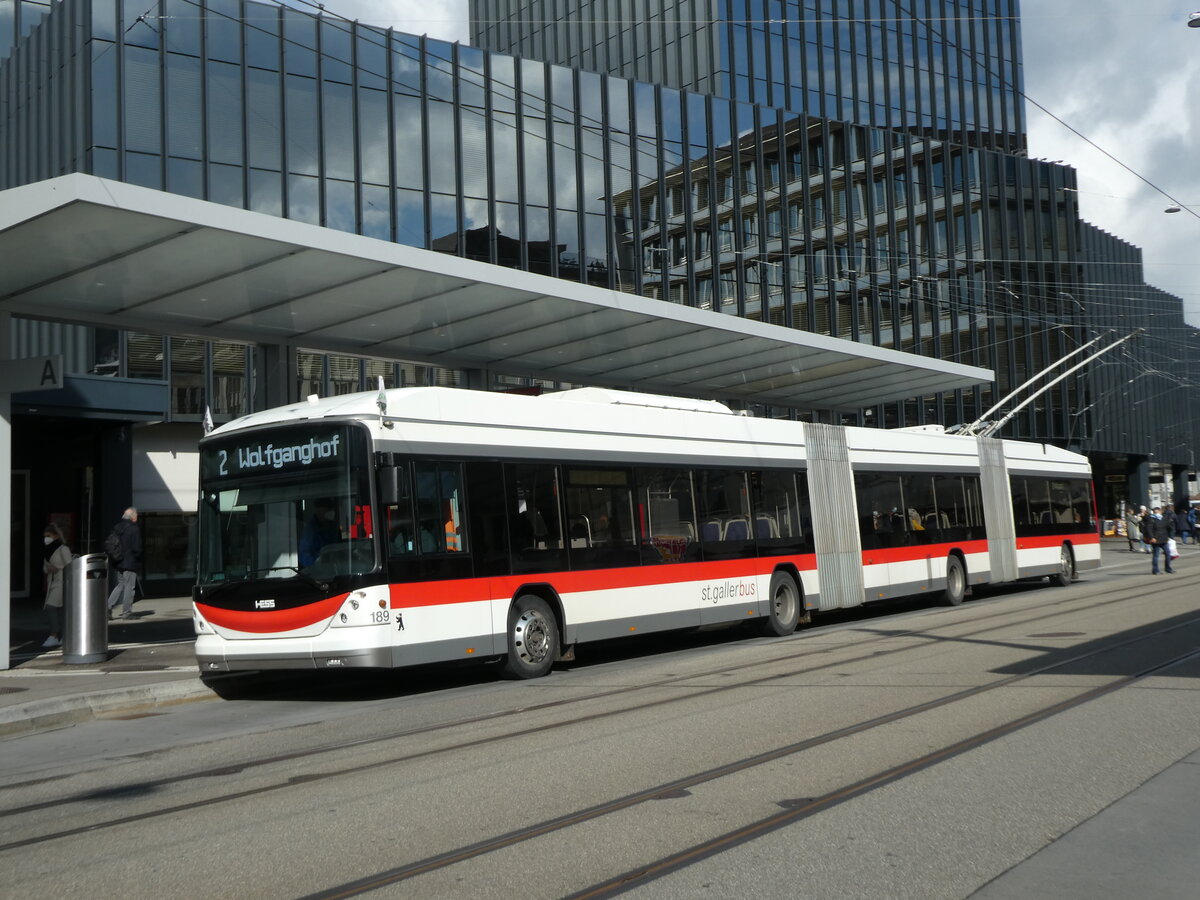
(783, 610)
(532, 638)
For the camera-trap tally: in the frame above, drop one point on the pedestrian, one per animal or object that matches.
(1133, 529)
(1193, 520)
(1143, 515)
(1159, 530)
(125, 555)
(56, 557)
(1183, 527)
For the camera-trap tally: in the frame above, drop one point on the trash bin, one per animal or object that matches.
(85, 631)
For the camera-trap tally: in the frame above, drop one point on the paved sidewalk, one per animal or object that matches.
(150, 662)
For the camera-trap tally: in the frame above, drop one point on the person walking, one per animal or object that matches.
(1143, 516)
(1159, 530)
(125, 555)
(1183, 527)
(56, 557)
(1133, 529)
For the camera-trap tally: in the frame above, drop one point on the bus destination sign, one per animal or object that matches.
(270, 457)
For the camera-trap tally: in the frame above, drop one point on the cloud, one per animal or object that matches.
(1127, 79)
(442, 19)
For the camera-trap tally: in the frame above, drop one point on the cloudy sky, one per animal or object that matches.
(1124, 74)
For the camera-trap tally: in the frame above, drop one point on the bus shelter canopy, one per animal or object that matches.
(83, 249)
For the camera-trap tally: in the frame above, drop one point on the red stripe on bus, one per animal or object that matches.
(269, 621)
(1057, 540)
(919, 552)
(474, 590)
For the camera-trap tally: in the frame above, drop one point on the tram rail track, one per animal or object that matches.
(1063, 606)
(801, 809)
(526, 709)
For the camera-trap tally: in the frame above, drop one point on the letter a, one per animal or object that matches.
(48, 376)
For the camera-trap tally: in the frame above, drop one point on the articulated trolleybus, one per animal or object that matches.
(420, 525)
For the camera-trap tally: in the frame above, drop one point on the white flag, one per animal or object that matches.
(381, 398)
(208, 422)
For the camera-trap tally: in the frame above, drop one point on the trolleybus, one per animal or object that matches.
(420, 525)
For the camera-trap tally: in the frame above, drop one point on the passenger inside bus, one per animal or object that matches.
(320, 530)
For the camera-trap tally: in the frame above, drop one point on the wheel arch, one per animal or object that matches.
(1069, 546)
(790, 569)
(793, 570)
(962, 558)
(546, 592)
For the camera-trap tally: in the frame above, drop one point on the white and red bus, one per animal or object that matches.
(431, 524)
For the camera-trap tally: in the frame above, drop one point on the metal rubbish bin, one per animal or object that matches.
(85, 631)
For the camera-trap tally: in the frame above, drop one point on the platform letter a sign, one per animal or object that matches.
(48, 376)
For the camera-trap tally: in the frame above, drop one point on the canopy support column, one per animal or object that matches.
(275, 379)
(5, 496)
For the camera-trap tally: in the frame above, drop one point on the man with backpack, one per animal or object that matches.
(124, 549)
(1185, 523)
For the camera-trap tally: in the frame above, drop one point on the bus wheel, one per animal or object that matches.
(1066, 568)
(956, 582)
(532, 638)
(783, 613)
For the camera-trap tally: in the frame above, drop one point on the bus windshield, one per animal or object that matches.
(291, 503)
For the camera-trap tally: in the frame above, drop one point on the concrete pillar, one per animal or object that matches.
(274, 379)
(479, 379)
(114, 493)
(1139, 480)
(1179, 481)
(5, 496)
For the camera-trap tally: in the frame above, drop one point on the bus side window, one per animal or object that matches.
(534, 520)
(400, 530)
(723, 510)
(666, 516)
(396, 501)
(488, 517)
(881, 517)
(439, 508)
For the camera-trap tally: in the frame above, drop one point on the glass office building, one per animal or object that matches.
(950, 69)
(850, 172)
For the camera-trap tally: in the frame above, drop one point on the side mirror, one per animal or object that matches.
(393, 485)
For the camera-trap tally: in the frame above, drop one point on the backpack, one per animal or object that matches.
(112, 546)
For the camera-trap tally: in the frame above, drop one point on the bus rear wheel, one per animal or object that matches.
(956, 582)
(783, 611)
(532, 638)
(1066, 568)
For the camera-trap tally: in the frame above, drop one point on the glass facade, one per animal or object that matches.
(843, 167)
(950, 69)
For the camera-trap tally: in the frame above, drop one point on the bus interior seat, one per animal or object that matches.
(737, 530)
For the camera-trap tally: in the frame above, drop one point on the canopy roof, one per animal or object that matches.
(84, 249)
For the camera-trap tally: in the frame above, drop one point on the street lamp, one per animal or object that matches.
(1194, 20)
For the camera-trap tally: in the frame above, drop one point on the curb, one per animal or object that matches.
(38, 715)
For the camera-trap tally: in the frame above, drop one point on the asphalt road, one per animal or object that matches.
(916, 751)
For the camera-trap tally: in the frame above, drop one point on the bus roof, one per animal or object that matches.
(602, 423)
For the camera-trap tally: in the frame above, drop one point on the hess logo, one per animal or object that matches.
(264, 604)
